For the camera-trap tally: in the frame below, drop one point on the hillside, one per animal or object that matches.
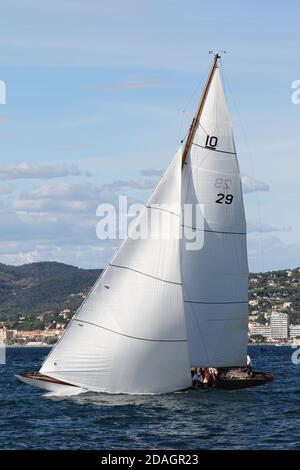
(47, 288)
(275, 291)
(35, 288)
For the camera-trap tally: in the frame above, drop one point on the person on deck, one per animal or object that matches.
(197, 378)
(213, 373)
(249, 365)
(207, 378)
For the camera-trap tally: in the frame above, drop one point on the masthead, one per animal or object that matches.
(200, 106)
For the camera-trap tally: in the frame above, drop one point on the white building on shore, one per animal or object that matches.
(279, 325)
(278, 329)
(294, 331)
(262, 330)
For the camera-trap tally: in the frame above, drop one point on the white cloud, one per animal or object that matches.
(133, 184)
(260, 227)
(250, 185)
(81, 192)
(48, 205)
(73, 146)
(151, 172)
(135, 84)
(19, 257)
(27, 205)
(26, 170)
(89, 256)
(6, 188)
(272, 253)
(57, 221)
(58, 191)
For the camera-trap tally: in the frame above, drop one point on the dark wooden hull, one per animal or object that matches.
(45, 382)
(257, 378)
(237, 381)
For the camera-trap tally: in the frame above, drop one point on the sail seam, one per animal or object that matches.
(145, 274)
(213, 231)
(215, 303)
(133, 337)
(162, 209)
(213, 150)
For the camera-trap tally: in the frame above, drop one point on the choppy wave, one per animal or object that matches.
(266, 417)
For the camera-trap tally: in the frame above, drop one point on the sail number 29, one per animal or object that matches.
(222, 198)
(225, 184)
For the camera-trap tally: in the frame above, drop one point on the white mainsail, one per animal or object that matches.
(160, 307)
(130, 335)
(215, 278)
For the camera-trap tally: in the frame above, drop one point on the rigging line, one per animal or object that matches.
(204, 130)
(223, 77)
(248, 150)
(183, 139)
(145, 274)
(199, 85)
(130, 336)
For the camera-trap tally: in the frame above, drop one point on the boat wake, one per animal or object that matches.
(65, 393)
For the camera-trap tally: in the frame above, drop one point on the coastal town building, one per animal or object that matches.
(279, 322)
(294, 331)
(262, 330)
(7, 334)
(276, 329)
(26, 336)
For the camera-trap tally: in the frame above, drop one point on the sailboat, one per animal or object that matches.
(162, 307)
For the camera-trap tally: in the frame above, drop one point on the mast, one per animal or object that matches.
(199, 109)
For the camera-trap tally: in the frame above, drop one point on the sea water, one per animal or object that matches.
(266, 417)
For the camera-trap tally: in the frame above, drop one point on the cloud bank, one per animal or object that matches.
(250, 185)
(137, 84)
(26, 170)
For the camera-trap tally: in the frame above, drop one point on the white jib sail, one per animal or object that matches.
(130, 335)
(215, 278)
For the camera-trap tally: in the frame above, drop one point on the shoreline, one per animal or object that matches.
(17, 346)
(49, 346)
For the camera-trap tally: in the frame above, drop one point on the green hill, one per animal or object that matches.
(49, 287)
(34, 288)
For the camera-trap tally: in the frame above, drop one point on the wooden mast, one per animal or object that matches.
(199, 109)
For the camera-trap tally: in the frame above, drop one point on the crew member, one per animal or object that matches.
(213, 373)
(249, 365)
(197, 378)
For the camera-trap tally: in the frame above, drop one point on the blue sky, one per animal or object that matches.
(98, 91)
